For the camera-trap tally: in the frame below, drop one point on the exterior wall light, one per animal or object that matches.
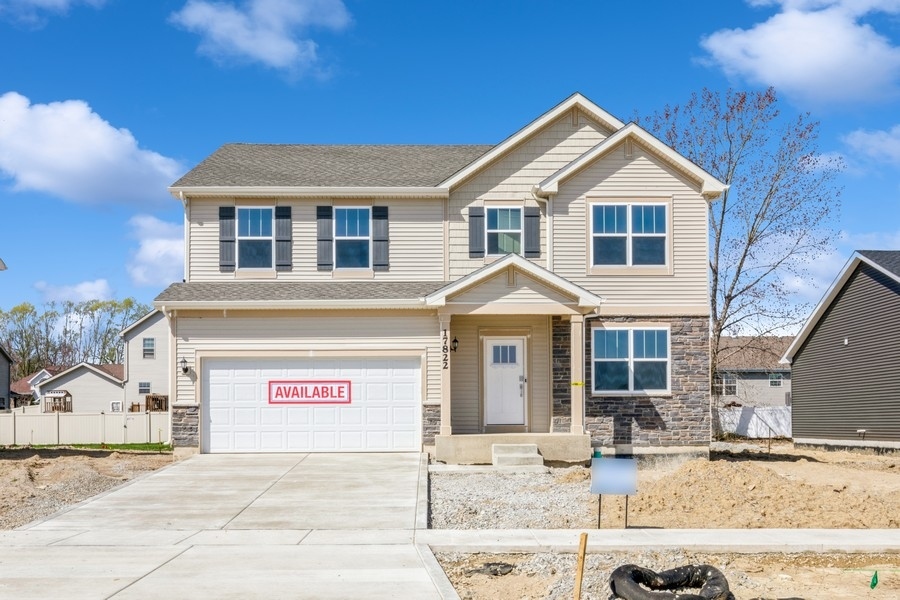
(454, 344)
(184, 366)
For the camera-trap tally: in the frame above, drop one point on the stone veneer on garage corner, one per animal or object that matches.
(682, 419)
(186, 426)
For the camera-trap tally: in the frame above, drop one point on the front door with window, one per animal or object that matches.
(504, 382)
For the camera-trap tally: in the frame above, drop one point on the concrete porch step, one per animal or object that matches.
(515, 455)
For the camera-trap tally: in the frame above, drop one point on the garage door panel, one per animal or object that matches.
(383, 415)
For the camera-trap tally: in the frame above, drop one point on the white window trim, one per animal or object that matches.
(238, 238)
(488, 231)
(336, 238)
(628, 268)
(116, 406)
(152, 348)
(149, 387)
(631, 360)
(725, 384)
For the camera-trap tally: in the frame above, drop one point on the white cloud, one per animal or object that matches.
(34, 12)
(883, 146)
(98, 289)
(817, 51)
(159, 259)
(66, 149)
(271, 32)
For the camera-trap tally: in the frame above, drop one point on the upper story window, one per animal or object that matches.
(775, 379)
(254, 238)
(629, 234)
(504, 230)
(149, 347)
(352, 238)
(143, 387)
(627, 360)
(725, 384)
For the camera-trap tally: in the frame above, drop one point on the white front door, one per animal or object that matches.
(504, 381)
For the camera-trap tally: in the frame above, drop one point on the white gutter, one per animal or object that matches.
(311, 192)
(385, 304)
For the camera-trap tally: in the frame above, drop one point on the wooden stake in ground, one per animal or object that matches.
(579, 571)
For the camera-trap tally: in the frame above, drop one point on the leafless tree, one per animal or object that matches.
(776, 217)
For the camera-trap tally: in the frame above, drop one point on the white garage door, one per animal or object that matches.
(277, 405)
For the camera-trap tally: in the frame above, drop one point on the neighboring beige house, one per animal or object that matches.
(749, 371)
(550, 289)
(115, 388)
(146, 359)
(25, 391)
(84, 388)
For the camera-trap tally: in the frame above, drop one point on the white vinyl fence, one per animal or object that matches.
(758, 422)
(65, 428)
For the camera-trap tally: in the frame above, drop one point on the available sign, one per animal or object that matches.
(309, 391)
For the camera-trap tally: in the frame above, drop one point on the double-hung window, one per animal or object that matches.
(629, 234)
(504, 230)
(630, 360)
(149, 347)
(143, 387)
(775, 379)
(725, 384)
(352, 238)
(254, 238)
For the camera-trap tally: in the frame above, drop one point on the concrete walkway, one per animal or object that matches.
(306, 526)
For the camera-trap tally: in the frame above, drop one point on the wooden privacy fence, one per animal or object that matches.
(67, 428)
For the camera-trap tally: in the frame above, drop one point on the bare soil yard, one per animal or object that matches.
(39, 482)
(742, 486)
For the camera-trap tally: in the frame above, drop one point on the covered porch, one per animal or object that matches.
(513, 363)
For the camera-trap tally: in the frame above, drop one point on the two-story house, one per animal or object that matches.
(550, 289)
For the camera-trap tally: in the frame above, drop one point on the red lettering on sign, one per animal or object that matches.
(309, 392)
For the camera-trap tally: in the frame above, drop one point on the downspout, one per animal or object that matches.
(546, 201)
(187, 235)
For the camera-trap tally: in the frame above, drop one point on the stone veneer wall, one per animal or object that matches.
(431, 423)
(562, 370)
(186, 426)
(682, 419)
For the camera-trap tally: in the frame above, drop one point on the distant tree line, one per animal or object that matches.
(63, 334)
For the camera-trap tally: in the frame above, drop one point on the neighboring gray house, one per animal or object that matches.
(749, 371)
(5, 366)
(84, 388)
(846, 360)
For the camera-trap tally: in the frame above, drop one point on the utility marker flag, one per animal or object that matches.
(874, 581)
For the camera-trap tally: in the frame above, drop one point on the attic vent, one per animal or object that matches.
(574, 117)
(629, 148)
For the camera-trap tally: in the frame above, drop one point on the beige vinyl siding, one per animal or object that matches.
(466, 366)
(511, 178)
(524, 291)
(154, 370)
(416, 231)
(91, 393)
(642, 176)
(241, 334)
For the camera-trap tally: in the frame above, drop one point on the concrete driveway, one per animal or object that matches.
(238, 526)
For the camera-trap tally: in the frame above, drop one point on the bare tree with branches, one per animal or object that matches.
(776, 216)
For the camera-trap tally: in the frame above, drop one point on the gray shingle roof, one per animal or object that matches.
(330, 166)
(289, 291)
(887, 259)
(747, 353)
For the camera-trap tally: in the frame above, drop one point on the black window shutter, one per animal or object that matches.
(476, 231)
(226, 239)
(532, 232)
(324, 239)
(380, 242)
(282, 238)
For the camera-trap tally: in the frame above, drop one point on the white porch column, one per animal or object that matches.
(446, 336)
(576, 333)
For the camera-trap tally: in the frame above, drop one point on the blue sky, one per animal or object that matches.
(104, 103)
